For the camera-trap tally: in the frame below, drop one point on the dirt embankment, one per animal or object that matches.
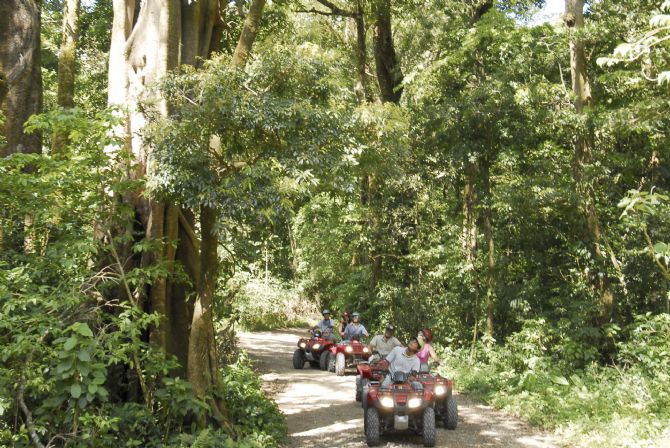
(321, 411)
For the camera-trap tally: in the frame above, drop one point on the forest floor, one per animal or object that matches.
(321, 411)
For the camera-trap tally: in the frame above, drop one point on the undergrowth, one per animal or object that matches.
(537, 377)
(268, 303)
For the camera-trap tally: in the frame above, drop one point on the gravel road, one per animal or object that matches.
(321, 411)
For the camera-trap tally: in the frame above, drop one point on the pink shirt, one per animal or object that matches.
(424, 353)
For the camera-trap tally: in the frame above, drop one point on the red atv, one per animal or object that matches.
(446, 408)
(346, 354)
(399, 407)
(367, 372)
(314, 350)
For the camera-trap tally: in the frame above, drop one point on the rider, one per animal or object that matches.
(344, 321)
(355, 328)
(326, 325)
(384, 343)
(403, 359)
(426, 353)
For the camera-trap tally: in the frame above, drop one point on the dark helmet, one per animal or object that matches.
(390, 328)
(317, 333)
(427, 334)
(326, 311)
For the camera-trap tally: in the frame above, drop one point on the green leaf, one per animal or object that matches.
(84, 330)
(560, 380)
(70, 343)
(92, 388)
(75, 390)
(84, 356)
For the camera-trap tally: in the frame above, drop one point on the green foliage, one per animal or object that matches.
(252, 412)
(590, 406)
(267, 303)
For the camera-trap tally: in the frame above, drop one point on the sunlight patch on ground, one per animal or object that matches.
(355, 423)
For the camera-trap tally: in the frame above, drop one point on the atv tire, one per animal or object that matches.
(428, 427)
(450, 412)
(298, 359)
(331, 362)
(340, 364)
(371, 426)
(323, 360)
(360, 387)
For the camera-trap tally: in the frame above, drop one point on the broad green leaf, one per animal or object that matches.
(560, 380)
(70, 343)
(75, 390)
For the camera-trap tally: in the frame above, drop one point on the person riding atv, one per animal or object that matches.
(326, 326)
(403, 359)
(355, 328)
(382, 344)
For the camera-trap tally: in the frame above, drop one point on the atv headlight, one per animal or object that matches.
(414, 402)
(440, 389)
(365, 349)
(387, 402)
(349, 349)
(303, 345)
(316, 346)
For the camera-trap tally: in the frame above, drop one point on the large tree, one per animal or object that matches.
(20, 73)
(165, 34)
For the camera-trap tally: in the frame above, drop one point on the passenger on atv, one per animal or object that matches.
(355, 328)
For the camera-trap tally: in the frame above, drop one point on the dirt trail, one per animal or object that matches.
(321, 411)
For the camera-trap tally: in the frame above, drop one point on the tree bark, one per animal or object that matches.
(67, 54)
(20, 73)
(66, 65)
(574, 19)
(361, 56)
(203, 370)
(248, 36)
(389, 73)
(487, 221)
(469, 241)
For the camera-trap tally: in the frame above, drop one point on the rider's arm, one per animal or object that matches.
(372, 346)
(391, 356)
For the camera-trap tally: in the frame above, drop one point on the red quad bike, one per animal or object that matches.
(314, 350)
(346, 354)
(446, 408)
(399, 408)
(368, 372)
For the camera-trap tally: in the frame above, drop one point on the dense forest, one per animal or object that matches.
(173, 171)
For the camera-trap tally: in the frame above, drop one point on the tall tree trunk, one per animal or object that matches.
(67, 54)
(248, 36)
(20, 73)
(361, 56)
(574, 19)
(389, 73)
(469, 241)
(203, 369)
(167, 33)
(487, 222)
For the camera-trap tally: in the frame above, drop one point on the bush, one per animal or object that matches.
(264, 304)
(624, 405)
(252, 412)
